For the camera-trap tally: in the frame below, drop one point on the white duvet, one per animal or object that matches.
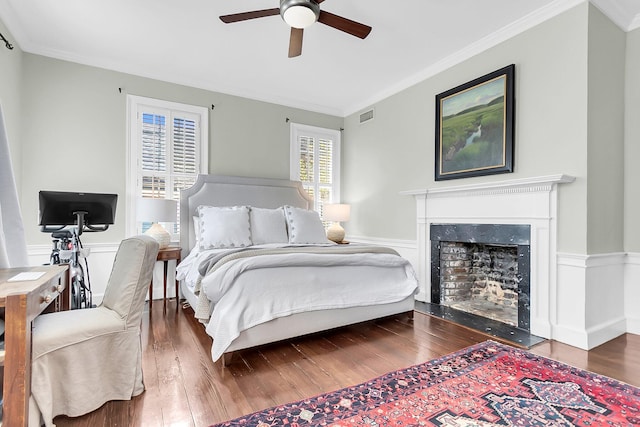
(249, 291)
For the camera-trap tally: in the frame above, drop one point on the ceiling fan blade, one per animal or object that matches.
(343, 24)
(295, 42)
(237, 17)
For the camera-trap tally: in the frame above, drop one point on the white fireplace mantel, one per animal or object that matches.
(529, 201)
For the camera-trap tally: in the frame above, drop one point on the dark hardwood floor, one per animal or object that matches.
(185, 388)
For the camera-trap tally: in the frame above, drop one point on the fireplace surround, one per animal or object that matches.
(528, 201)
(482, 269)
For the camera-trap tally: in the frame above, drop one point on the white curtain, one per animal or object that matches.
(13, 246)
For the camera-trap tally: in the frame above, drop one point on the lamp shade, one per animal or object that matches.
(338, 212)
(156, 210)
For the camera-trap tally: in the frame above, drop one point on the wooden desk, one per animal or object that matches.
(166, 255)
(24, 301)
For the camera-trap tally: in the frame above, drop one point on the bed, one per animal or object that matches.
(267, 287)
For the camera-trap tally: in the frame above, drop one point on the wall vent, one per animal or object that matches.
(367, 116)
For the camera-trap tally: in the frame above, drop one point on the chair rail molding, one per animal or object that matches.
(101, 257)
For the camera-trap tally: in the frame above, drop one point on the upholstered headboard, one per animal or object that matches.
(221, 190)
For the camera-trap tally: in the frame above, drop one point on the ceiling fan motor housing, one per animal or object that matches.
(299, 13)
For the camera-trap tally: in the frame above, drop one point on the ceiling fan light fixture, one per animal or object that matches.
(299, 13)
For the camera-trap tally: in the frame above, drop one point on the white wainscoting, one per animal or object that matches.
(632, 292)
(590, 299)
(582, 300)
(407, 249)
(597, 295)
(100, 262)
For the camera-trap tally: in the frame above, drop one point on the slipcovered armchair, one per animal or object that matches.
(85, 358)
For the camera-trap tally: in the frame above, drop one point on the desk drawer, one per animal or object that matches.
(51, 295)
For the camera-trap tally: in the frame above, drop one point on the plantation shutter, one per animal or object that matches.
(316, 151)
(170, 155)
(154, 155)
(324, 176)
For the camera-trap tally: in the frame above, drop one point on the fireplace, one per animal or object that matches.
(525, 201)
(483, 269)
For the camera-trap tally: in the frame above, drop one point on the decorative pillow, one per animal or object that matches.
(224, 227)
(304, 226)
(268, 226)
(196, 230)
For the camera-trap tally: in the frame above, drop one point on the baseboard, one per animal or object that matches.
(632, 292)
(573, 336)
(606, 332)
(591, 294)
(587, 339)
(633, 325)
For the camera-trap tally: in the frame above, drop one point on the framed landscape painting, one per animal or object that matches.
(475, 127)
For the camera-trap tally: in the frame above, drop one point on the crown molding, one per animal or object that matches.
(513, 29)
(624, 13)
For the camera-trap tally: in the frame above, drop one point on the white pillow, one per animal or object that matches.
(304, 226)
(196, 230)
(268, 226)
(224, 227)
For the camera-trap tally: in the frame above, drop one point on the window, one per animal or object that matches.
(167, 150)
(315, 161)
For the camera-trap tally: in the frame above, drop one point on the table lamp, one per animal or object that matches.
(156, 211)
(337, 212)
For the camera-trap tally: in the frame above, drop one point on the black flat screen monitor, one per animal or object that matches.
(59, 208)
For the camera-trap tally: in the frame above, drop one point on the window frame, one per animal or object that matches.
(136, 105)
(297, 130)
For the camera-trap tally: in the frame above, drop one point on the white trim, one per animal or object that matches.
(297, 129)
(586, 280)
(45, 250)
(531, 201)
(517, 27)
(621, 12)
(134, 104)
(407, 249)
(101, 256)
(101, 259)
(591, 297)
(511, 30)
(530, 184)
(394, 243)
(627, 22)
(632, 292)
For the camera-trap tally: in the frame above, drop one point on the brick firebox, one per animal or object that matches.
(483, 269)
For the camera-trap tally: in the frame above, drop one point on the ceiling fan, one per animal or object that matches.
(299, 14)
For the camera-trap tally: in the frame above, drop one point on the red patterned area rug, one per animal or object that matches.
(488, 384)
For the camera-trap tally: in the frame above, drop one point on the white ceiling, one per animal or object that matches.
(183, 41)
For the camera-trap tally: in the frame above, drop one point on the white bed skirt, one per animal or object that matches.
(308, 322)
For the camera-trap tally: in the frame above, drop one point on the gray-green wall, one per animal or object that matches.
(72, 135)
(577, 104)
(570, 91)
(632, 144)
(605, 142)
(551, 131)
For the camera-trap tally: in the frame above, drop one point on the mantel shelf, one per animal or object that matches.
(509, 185)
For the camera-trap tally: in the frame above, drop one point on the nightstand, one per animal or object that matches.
(166, 255)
